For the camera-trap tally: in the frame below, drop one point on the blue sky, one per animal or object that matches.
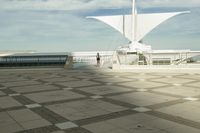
(61, 26)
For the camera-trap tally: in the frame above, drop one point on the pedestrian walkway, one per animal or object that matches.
(98, 101)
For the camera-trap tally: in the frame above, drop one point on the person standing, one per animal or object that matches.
(98, 60)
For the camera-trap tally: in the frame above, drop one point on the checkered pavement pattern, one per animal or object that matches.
(98, 101)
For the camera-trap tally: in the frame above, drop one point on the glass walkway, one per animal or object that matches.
(33, 59)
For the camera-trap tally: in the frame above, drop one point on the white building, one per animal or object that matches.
(134, 27)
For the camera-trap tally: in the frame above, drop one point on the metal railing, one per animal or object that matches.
(40, 60)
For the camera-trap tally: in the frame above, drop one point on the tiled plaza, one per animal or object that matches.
(56, 100)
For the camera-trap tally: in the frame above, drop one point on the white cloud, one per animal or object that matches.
(54, 31)
(62, 4)
(169, 3)
(57, 31)
(90, 4)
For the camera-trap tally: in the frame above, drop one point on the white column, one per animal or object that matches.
(134, 22)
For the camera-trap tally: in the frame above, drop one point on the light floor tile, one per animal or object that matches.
(2, 94)
(7, 102)
(13, 95)
(179, 91)
(96, 97)
(34, 88)
(66, 125)
(103, 90)
(143, 98)
(142, 109)
(68, 88)
(83, 109)
(33, 105)
(77, 83)
(142, 84)
(191, 99)
(58, 95)
(173, 80)
(141, 90)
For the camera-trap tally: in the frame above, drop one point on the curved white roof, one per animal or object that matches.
(136, 26)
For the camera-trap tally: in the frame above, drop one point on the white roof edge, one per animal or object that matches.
(91, 53)
(172, 51)
(34, 54)
(182, 12)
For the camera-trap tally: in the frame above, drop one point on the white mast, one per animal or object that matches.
(134, 21)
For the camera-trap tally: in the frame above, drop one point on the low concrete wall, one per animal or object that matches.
(69, 63)
(158, 68)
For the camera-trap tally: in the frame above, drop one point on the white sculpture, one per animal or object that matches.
(135, 26)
